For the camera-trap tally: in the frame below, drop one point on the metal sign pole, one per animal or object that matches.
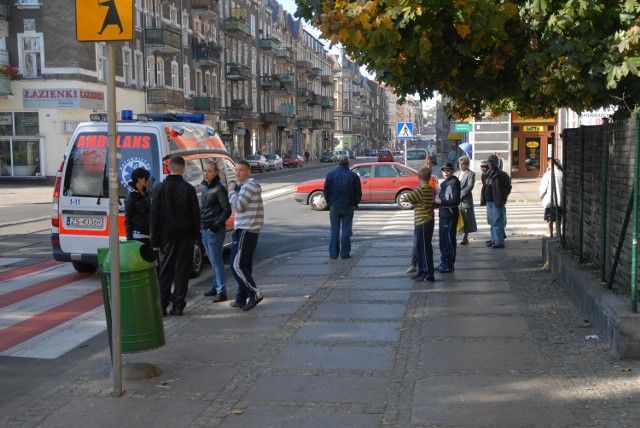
(114, 235)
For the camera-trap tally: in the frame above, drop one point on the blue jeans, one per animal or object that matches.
(495, 218)
(340, 244)
(424, 249)
(448, 244)
(213, 244)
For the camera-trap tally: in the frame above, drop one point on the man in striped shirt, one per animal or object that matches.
(246, 199)
(422, 200)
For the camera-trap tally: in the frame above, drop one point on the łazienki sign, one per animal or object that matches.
(63, 98)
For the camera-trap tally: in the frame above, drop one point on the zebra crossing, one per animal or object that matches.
(523, 219)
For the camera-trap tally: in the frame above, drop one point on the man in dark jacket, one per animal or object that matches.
(448, 200)
(496, 187)
(343, 193)
(215, 212)
(174, 227)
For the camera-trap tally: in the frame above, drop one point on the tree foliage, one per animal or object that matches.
(528, 56)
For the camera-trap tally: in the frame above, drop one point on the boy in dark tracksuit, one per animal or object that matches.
(174, 229)
(448, 200)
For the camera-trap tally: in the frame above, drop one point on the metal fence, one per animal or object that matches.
(601, 212)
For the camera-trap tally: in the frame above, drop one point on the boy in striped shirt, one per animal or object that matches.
(422, 199)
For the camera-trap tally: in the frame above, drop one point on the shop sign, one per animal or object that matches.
(462, 127)
(63, 98)
(533, 128)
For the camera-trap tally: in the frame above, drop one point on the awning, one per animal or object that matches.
(454, 136)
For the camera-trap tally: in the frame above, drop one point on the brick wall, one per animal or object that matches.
(586, 196)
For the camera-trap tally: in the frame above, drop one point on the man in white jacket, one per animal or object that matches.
(551, 193)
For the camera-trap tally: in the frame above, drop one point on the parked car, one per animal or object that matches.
(370, 152)
(417, 158)
(385, 156)
(275, 162)
(291, 161)
(382, 183)
(343, 153)
(329, 157)
(258, 163)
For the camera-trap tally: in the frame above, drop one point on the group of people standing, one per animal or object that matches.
(171, 220)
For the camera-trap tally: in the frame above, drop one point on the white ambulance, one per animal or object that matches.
(79, 217)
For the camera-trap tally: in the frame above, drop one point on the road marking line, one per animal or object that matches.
(39, 288)
(26, 270)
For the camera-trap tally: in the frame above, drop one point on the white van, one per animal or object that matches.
(79, 217)
(417, 158)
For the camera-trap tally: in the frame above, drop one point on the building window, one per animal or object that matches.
(186, 77)
(160, 73)
(20, 155)
(30, 51)
(174, 75)
(346, 124)
(101, 61)
(138, 13)
(151, 70)
(138, 64)
(126, 67)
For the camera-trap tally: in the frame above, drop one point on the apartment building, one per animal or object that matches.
(258, 77)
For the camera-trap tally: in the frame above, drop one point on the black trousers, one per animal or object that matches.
(175, 268)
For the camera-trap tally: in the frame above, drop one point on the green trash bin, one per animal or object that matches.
(141, 322)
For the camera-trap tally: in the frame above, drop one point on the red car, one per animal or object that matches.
(385, 156)
(382, 183)
(291, 161)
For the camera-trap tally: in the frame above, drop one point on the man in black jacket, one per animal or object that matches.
(174, 227)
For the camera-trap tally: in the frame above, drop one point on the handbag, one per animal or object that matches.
(460, 227)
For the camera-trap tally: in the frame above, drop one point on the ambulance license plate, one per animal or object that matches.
(86, 222)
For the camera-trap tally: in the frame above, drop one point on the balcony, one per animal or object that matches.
(270, 118)
(209, 104)
(204, 8)
(326, 102)
(328, 125)
(315, 72)
(303, 65)
(238, 72)
(5, 85)
(314, 99)
(304, 95)
(317, 123)
(269, 83)
(304, 123)
(4, 57)
(162, 40)
(269, 44)
(286, 109)
(287, 78)
(284, 121)
(284, 55)
(326, 80)
(355, 91)
(286, 89)
(4, 9)
(236, 24)
(239, 111)
(165, 96)
(207, 53)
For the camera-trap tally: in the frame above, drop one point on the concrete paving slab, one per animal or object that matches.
(275, 280)
(310, 418)
(222, 324)
(202, 349)
(308, 357)
(475, 265)
(360, 310)
(119, 412)
(379, 272)
(286, 290)
(319, 389)
(383, 261)
(456, 326)
(309, 259)
(490, 401)
(349, 331)
(277, 305)
(348, 295)
(302, 269)
(377, 283)
(498, 303)
(457, 285)
(494, 355)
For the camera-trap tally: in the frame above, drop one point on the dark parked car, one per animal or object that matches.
(329, 157)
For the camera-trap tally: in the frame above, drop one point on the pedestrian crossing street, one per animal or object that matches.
(48, 308)
(523, 219)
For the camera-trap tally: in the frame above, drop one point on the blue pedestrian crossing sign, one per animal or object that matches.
(405, 130)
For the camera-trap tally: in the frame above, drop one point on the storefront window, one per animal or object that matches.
(6, 124)
(5, 158)
(26, 123)
(26, 158)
